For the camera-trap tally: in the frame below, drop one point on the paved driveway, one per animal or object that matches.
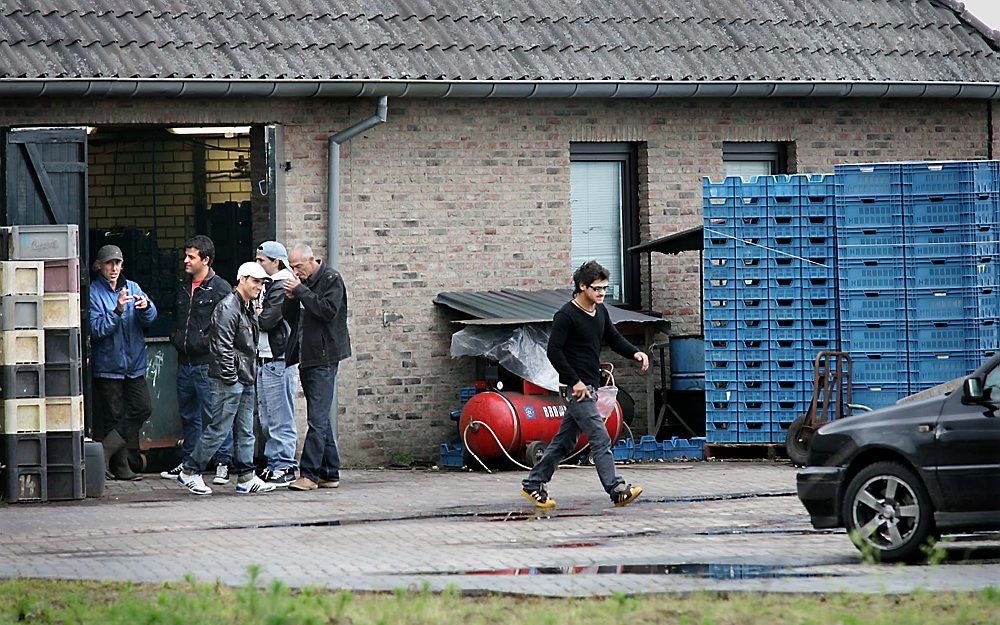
(706, 525)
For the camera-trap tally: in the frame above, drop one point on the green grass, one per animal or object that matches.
(187, 603)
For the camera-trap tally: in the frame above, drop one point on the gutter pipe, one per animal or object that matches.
(295, 88)
(333, 213)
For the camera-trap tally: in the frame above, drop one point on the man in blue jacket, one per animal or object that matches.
(119, 310)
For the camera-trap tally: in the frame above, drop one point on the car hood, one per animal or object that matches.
(920, 409)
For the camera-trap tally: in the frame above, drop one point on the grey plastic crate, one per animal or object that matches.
(62, 276)
(42, 242)
(63, 379)
(23, 450)
(26, 484)
(22, 381)
(20, 312)
(65, 483)
(64, 449)
(62, 345)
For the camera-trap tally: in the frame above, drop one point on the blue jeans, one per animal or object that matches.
(194, 402)
(320, 455)
(232, 411)
(276, 407)
(581, 416)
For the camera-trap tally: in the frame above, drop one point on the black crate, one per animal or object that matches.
(66, 483)
(62, 345)
(22, 450)
(64, 449)
(63, 379)
(22, 382)
(24, 484)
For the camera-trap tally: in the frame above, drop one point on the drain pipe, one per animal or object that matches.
(333, 182)
(333, 214)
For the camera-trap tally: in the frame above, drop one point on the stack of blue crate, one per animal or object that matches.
(769, 301)
(918, 273)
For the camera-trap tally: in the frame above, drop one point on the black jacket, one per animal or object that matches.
(233, 339)
(318, 317)
(190, 335)
(271, 320)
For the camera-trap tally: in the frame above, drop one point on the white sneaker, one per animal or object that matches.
(254, 485)
(172, 473)
(221, 474)
(194, 483)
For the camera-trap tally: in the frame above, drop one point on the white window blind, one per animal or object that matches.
(747, 168)
(596, 200)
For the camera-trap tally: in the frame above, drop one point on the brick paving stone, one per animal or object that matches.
(390, 529)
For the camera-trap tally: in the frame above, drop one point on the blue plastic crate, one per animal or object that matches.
(756, 433)
(720, 267)
(746, 334)
(693, 448)
(878, 395)
(782, 335)
(795, 394)
(750, 187)
(987, 208)
(936, 211)
(939, 177)
(944, 336)
(752, 229)
(813, 296)
(987, 305)
(790, 295)
(648, 448)
(879, 368)
(818, 186)
(753, 378)
(792, 323)
(714, 434)
(624, 450)
(868, 180)
(753, 249)
(784, 186)
(871, 274)
(752, 301)
(869, 243)
(779, 217)
(930, 368)
(942, 304)
(451, 456)
(885, 212)
(818, 266)
(465, 394)
(989, 336)
(987, 242)
(873, 306)
(956, 241)
(755, 271)
(888, 336)
(942, 273)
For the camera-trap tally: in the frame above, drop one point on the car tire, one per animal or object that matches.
(533, 453)
(888, 513)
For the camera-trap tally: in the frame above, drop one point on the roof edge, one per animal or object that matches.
(343, 88)
(992, 35)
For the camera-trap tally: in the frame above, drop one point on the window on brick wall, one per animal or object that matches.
(754, 158)
(605, 211)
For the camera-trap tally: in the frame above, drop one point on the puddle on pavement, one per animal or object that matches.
(702, 570)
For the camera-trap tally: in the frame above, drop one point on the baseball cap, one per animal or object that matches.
(252, 270)
(109, 252)
(275, 250)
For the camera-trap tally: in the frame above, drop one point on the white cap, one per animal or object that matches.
(251, 269)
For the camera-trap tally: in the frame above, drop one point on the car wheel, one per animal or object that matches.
(887, 512)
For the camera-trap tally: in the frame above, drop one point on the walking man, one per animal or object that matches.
(196, 299)
(574, 349)
(119, 310)
(276, 381)
(233, 343)
(316, 308)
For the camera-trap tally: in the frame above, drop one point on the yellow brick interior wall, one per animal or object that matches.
(222, 184)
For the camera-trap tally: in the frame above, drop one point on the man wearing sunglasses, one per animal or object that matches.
(578, 330)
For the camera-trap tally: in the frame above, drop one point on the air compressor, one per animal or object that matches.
(498, 424)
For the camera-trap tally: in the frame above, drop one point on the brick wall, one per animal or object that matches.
(227, 169)
(472, 194)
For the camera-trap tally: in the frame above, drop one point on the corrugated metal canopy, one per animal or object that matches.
(513, 307)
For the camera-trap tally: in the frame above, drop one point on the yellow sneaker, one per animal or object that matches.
(625, 496)
(539, 497)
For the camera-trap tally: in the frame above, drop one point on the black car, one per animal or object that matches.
(901, 476)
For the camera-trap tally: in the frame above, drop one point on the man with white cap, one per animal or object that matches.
(119, 311)
(233, 342)
(276, 382)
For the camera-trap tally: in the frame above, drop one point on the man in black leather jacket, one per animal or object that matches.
(233, 369)
(196, 299)
(316, 308)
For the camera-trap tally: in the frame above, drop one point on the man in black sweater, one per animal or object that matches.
(574, 349)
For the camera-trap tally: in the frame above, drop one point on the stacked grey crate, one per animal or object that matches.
(41, 458)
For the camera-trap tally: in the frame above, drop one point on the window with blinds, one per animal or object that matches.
(603, 198)
(754, 158)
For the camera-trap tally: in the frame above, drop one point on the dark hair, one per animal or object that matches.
(589, 273)
(204, 245)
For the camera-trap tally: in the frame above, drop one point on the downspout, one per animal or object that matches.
(333, 172)
(333, 214)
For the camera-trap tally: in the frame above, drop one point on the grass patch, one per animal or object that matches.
(188, 603)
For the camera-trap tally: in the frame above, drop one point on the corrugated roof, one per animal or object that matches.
(516, 40)
(512, 307)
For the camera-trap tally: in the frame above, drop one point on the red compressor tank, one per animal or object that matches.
(522, 423)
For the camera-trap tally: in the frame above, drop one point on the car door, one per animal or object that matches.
(967, 449)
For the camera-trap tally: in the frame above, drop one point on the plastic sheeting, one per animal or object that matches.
(519, 349)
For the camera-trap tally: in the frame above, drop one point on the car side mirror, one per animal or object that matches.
(973, 389)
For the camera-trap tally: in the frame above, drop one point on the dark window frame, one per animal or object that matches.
(627, 154)
(774, 151)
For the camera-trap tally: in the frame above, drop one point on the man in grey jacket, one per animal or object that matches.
(276, 380)
(233, 342)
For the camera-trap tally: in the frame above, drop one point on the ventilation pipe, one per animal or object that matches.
(333, 212)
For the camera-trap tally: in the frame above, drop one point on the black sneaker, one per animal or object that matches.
(280, 477)
(539, 497)
(625, 494)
